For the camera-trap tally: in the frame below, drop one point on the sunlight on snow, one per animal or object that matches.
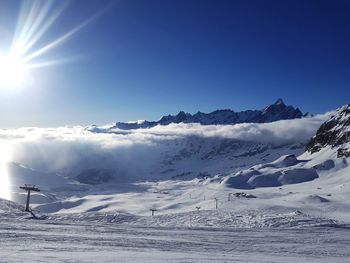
(5, 156)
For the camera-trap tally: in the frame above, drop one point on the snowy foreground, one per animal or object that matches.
(268, 228)
(306, 222)
(58, 241)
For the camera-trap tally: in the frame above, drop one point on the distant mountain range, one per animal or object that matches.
(273, 112)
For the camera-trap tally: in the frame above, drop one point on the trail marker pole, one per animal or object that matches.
(29, 188)
(216, 203)
(153, 210)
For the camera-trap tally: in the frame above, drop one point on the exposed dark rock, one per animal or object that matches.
(343, 153)
(334, 133)
(244, 195)
(274, 112)
(317, 198)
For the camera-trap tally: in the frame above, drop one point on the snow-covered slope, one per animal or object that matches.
(320, 175)
(326, 153)
(273, 112)
(260, 180)
(180, 159)
(9, 209)
(17, 175)
(86, 241)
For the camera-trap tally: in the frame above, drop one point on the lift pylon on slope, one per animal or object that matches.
(29, 188)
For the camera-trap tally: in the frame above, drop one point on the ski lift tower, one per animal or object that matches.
(29, 188)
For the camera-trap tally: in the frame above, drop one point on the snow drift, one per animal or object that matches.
(285, 170)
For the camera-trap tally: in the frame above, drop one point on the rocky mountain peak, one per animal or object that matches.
(273, 112)
(279, 102)
(335, 132)
(280, 111)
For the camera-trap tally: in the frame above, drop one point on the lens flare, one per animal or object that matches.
(27, 51)
(35, 19)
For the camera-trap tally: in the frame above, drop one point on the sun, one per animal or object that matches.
(27, 49)
(12, 71)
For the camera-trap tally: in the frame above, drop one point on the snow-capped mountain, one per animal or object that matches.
(334, 133)
(273, 112)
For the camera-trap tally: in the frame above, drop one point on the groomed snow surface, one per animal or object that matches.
(45, 241)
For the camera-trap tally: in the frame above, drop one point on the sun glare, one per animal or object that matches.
(35, 19)
(12, 71)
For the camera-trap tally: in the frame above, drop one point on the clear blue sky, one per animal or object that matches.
(142, 59)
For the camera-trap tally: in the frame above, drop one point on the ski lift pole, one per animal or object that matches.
(29, 188)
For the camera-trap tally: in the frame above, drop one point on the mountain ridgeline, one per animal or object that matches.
(274, 112)
(334, 133)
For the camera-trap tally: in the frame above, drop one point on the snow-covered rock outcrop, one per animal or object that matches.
(334, 133)
(327, 151)
(285, 170)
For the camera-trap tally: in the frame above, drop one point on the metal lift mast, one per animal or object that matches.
(29, 188)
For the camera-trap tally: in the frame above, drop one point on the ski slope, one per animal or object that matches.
(46, 241)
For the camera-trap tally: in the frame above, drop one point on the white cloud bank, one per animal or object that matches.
(68, 149)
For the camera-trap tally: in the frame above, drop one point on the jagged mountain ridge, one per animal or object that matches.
(335, 133)
(274, 112)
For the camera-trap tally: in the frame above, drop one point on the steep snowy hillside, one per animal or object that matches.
(334, 133)
(274, 112)
(326, 153)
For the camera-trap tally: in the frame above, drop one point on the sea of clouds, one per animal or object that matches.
(70, 149)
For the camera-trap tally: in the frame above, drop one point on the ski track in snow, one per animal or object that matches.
(47, 241)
